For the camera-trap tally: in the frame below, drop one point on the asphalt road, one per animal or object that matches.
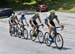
(15, 45)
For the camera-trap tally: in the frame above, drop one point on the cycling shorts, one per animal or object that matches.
(35, 23)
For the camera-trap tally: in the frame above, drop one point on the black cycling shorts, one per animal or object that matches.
(51, 22)
(35, 23)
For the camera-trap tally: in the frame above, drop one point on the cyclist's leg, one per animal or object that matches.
(32, 25)
(49, 28)
(53, 29)
(53, 24)
(35, 24)
(21, 24)
(50, 25)
(10, 26)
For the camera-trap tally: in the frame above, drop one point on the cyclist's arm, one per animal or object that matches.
(48, 21)
(39, 19)
(57, 20)
(16, 19)
(62, 26)
(9, 20)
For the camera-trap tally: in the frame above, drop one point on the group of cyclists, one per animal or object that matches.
(49, 21)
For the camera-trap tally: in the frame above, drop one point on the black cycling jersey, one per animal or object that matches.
(51, 18)
(33, 19)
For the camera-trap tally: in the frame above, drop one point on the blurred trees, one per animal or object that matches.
(30, 4)
(23, 2)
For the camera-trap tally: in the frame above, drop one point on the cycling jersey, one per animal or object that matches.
(22, 18)
(33, 19)
(12, 19)
(50, 18)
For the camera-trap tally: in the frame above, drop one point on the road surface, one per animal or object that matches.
(15, 45)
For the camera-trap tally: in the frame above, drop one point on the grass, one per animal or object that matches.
(72, 10)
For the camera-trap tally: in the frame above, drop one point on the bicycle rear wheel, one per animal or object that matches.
(12, 33)
(47, 39)
(32, 37)
(25, 34)
(40, 36)
(59, 41)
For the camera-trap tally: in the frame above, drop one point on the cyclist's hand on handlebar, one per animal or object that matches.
(42, 25)
(62, 27)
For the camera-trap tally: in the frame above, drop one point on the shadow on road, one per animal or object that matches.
(64, 48)
(39, 42)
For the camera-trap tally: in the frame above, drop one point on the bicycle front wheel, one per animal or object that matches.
(12, 33)
(25, 33)
(40, 36)
(59, 41)
(32, 37)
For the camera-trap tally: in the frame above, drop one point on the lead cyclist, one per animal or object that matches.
(50, 23)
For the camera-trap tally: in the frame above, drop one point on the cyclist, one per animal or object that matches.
(50, 23)
(12, 21)
(23, 21)
(33, 21)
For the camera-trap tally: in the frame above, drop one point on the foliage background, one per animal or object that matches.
(59, 5)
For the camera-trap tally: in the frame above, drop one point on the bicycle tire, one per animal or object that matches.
(25, 33)
(40, 36)
(59, 36)
(31, 36)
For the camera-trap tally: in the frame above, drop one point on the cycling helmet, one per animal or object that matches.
(52, 12)
(22, 14)
(36, 13)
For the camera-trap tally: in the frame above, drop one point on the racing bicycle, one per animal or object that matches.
(37, 34)
(55, 37)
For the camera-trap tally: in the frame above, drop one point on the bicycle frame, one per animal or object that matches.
(37, 29)
(55, 31)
